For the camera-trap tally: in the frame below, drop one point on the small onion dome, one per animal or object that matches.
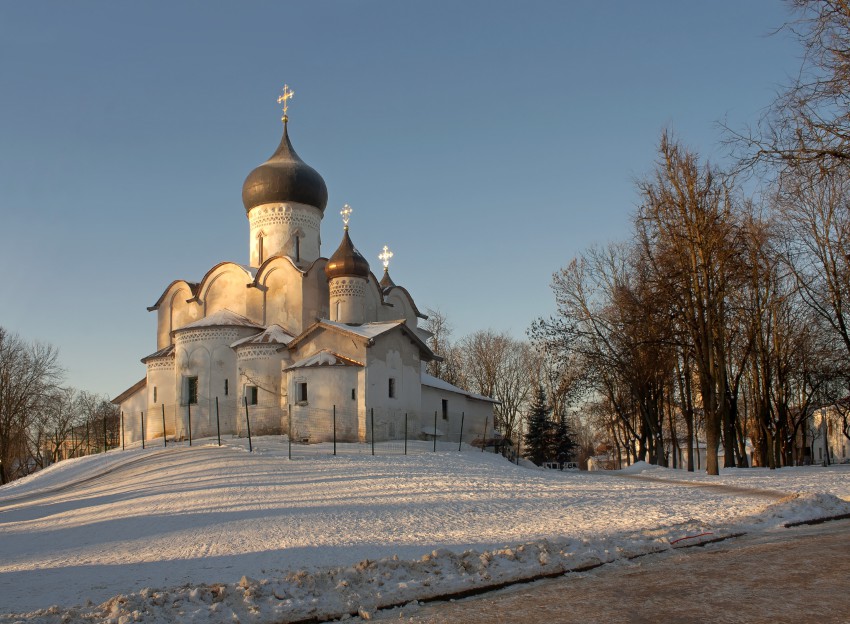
(284, 177)
(386, 280)
(346, 261)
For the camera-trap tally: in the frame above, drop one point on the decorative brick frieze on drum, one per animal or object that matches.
(256, 352)
(166, 363)
(348, 287)
(216, 334)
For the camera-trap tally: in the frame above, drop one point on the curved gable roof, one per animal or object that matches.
(249, 272)
(192, 286)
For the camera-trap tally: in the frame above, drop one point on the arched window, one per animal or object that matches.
(260, 248)
(297, 248)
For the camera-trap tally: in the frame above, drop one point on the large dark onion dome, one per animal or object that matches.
(284, 177)
(346, 261)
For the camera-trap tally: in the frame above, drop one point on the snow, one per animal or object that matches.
(275, 334)
(436, 382)
(222, 318)
(209, 534)
(366, 330)
(325, 357)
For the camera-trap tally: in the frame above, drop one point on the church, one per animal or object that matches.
(292, 342)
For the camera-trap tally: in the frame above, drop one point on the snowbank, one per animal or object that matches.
(218, 535)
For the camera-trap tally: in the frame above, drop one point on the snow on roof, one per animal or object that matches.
(221, 318)
(325, 357)
(165, 351)
(436, 382)
(275, 334)
(366, 330)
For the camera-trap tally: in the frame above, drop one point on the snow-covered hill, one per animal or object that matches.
(209, 534)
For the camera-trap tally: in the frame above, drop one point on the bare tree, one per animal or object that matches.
(816, 243)
(56, 421)
(688, 230)
(28, 375)
(450, 368)
(501, 367)
(614, 332)
(809, 123)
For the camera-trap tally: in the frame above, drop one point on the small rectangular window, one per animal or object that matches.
(445, 409)
(302, 392)
(154, 394)
(353, 394)
(226, 387)
(392, 388)
(191, 390)
(251, 393)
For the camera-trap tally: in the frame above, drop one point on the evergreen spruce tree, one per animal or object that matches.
(538, 436)
(563, 445)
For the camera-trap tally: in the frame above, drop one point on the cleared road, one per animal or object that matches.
(791, 575)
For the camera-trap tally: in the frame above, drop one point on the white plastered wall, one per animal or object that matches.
(160, 392)
(328, 387)
(472, 414)
(259, 365)
(278, 225)
(205, 353)
(225, 288)
(174, 312)
(393, 356)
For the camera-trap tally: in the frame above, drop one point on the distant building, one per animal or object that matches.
(826, 434)
(292, 336)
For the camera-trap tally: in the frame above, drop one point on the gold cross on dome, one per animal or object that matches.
(284, 99)
(346, 214)
(385, 256)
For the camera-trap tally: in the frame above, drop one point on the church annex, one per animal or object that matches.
(293, 337)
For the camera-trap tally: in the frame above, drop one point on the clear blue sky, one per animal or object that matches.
(486, 142)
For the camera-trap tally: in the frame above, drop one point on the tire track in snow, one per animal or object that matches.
(720, 487)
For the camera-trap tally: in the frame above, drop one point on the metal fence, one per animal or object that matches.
(313, 431)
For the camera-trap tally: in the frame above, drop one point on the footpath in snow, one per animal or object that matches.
(209, 534)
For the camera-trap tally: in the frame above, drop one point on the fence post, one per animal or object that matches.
(217, 423)
(405, 433)
(290, 430)
(164, 437)
(334, 429)
(460, 437)
(373, 431)
(518, 446)
(88, 439)
(122, 430)
(435, 431)
(143, 431)
(248, 423)
(484, 439)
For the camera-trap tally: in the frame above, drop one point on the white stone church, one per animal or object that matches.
(293, 337)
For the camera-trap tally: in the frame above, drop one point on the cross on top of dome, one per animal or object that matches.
(346, 214)
(284, 99)
(385, 256)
